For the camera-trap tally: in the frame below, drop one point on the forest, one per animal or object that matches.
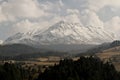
(86, 68)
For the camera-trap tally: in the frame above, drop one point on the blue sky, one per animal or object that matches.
(24, 15)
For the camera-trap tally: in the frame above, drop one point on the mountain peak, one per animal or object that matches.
(64, 32)
(1, 42)
(64, 25)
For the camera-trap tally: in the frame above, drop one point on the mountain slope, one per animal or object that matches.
(16, 49)
(111, 55)
(1, 42)
(63, 33)
(113, 49)
(102, 47)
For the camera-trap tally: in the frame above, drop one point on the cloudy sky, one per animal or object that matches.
(24, 15)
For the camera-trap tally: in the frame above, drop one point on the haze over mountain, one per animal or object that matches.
(102, 47)
(17, 49)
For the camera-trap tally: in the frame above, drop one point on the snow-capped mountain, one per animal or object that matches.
(1, 42)
(63, 33)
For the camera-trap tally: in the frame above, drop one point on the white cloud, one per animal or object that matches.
(61, 3)
(114, 3)
(13, 9)
(97, 5)
(24, 26)
(2, 16)
(53, 7)
(76, 11)
(27, 25)
(90, 18)
(114, 25)
(24, 15)
(73, 16)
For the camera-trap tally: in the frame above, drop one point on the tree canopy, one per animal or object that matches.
(88, 68)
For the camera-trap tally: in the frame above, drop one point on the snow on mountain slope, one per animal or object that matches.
(1, 42)
(63, 33)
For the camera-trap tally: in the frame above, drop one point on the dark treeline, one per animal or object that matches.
(10, 71)
(23, 57)
(89, 68)
(84, 69)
